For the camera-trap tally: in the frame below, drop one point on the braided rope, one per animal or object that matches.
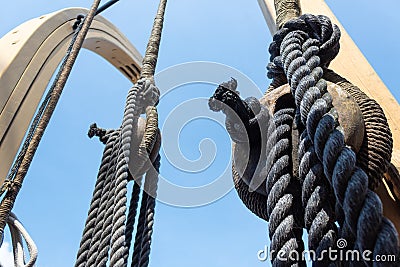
(285, 10)
(132, 110)
(300, 50)
(98, 251)
(279, 204)
(137, 247)
(96, 199)
(151, 187)
(285, 229)
(133, 207)
(318, 201)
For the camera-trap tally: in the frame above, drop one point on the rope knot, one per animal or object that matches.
(322, 40)
(101, 133)
(148, 94)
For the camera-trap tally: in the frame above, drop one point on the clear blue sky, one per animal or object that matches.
(54, 200)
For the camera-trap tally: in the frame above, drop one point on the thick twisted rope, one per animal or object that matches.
(254, 201)
(284, 211)
(150, 186)
(278, 205)
(133, 207)
(149, 97)
(98, 250)
(110, 231)
(300, 50)
(110, 227)
(18, 232)
(137, 247)
(101, 183)
(375, 153)
(132, 111)
(318, 201)
(8, 201)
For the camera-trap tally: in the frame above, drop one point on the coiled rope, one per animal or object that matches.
(108, 233)
(301, 50)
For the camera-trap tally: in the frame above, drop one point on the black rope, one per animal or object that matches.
(301, 50)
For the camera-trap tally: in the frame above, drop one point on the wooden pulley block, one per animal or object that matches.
(350, 115)
(145, 143)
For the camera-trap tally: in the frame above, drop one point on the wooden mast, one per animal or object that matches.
(351, 64)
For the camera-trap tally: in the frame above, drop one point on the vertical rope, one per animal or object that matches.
(150, 58)
(96, 200)
(302, 49)
(118, 249)
(103, 214)
(110, 227)
(8, 201)
(151, 187)
(130, 221)
(137, 247)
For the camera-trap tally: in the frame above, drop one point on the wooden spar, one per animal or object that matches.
(34, 50)
(351, 64)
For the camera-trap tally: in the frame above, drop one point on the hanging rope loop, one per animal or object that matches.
(149, 94)
(322, 40)
(18, 233)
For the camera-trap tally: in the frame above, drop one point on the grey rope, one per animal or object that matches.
(137, 247)
(300, 50)
(110, 231)
(102, 229)
(318, 201)
(150, 186)
(284, 211)
(96, 200)
(283, 194)
(133, 207)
